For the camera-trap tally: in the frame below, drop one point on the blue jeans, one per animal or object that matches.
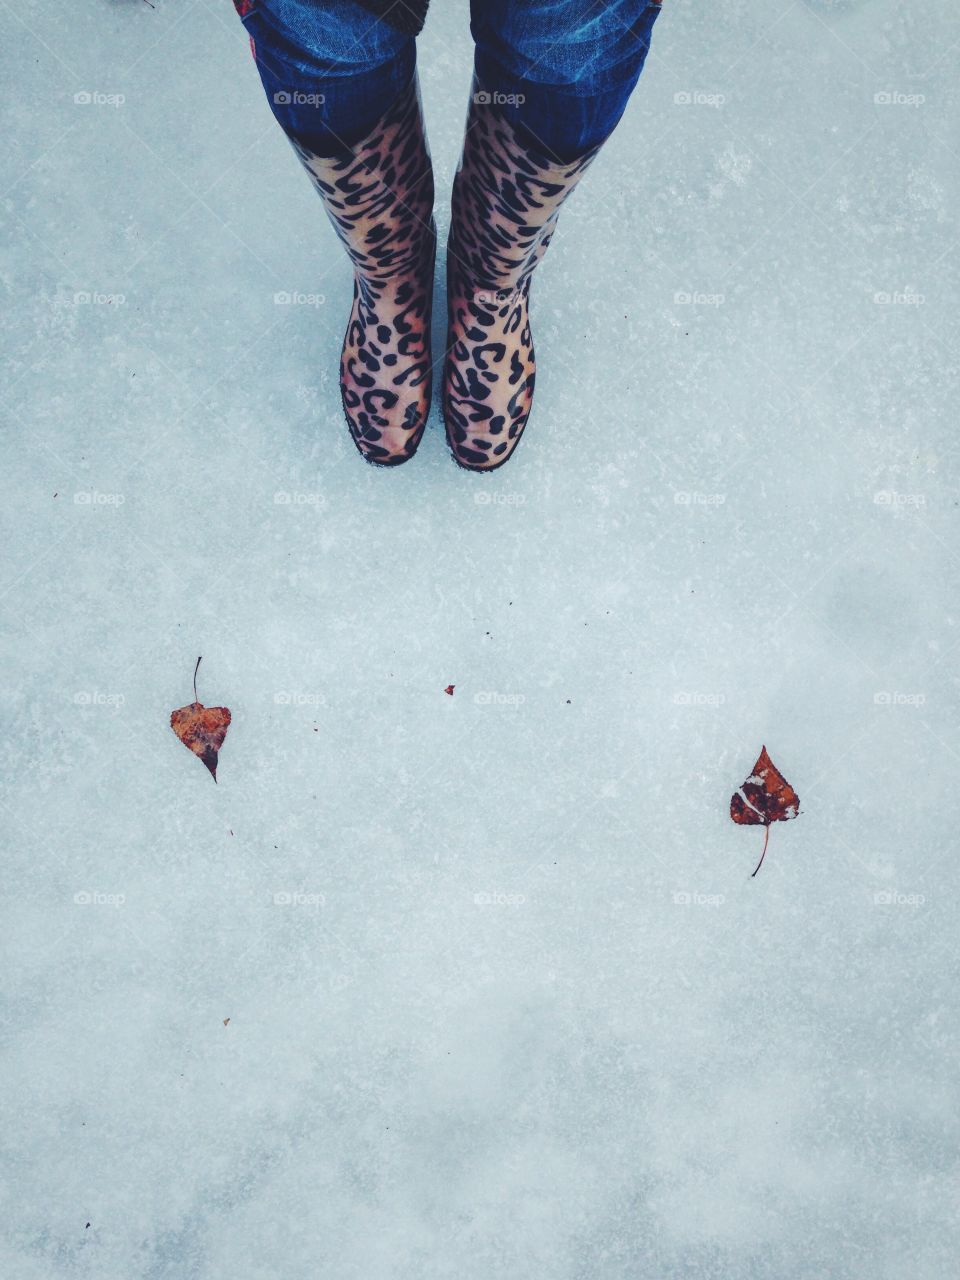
(562, 70)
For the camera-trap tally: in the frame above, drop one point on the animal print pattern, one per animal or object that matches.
(380, 201)
(506, 201)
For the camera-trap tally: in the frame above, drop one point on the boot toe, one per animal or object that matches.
(481, 440)
(478, 453)
(389, 437)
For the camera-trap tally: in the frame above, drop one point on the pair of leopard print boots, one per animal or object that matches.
(506, 199)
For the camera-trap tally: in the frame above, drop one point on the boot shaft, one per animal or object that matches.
(380, 197)
(507, 196)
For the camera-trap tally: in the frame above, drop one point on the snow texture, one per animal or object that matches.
(503, 1000)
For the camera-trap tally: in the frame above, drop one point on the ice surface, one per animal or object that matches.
(503, 999)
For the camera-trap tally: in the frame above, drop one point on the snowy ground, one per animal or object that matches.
(476, 1029)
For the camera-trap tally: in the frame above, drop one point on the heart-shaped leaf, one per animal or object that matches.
(201, 728)
(765, 797)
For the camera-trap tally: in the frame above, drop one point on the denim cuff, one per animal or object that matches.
(329, 117)
(564, 121)
(328, 102)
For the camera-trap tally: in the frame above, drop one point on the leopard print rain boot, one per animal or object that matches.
(506, 201)
(380, 201)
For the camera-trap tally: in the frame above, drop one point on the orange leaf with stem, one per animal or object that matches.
(765, 797)
(201, 729)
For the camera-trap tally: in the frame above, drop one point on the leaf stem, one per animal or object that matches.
(196, 699)
(766, 837)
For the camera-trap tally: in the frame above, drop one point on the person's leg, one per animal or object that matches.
(552, 80)
(342, 84)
